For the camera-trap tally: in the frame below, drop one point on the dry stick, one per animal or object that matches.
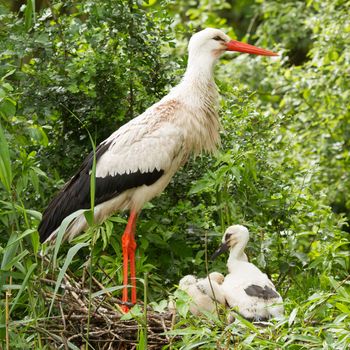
(110, 279)
(101, 285)
(172, 325)
(165, 332)
(109, 294)
(76, 297)
(83, 277)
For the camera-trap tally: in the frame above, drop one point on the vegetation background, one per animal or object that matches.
(283, 170)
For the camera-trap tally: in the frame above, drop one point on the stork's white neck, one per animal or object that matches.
(200, 67)
(199, 99)
(197, 85)
(236, 253)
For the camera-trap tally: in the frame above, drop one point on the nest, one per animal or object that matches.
(98, 321)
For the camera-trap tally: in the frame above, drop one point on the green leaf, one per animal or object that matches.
(15, 239)
(62, 230)
(142, 339)
(202, 185)
(7, 108)
(107, 290)
(292, 316)
(8, 74)
(5, 162)
(89, 216)
(10, 250)
(23, 286)
(29, 14)
(245, 322)
(342, 308)
(10, 260)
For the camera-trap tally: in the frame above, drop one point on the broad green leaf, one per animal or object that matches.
(343, 308)
(29, 14)
(7, 108)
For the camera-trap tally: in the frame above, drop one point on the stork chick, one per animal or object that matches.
(203, 292)
(246, 288)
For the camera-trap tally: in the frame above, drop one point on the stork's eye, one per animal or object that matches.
(218, 38)
(227, 236)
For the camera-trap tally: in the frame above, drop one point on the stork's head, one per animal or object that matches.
(233, 236)
(186, 281)
(217, 277)
(214, 42)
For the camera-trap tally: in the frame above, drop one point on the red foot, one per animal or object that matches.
(125, 309)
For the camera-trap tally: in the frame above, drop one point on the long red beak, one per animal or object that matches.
(234, 45)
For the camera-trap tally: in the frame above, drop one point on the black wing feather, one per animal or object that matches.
(75, 194)
(260, 292)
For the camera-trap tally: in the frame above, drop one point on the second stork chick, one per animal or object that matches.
(203, 292)
(246, 288)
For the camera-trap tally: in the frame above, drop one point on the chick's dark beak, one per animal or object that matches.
(222, 249)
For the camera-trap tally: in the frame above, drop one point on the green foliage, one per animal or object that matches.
(282, 170)
(102, 60)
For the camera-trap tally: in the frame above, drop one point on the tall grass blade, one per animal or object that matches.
(10, 250)
(71, 253)
(145, 304)
(106, 291)
(23, 286)
(92, 175)
(29, 14)
(5, 162)
(89, 215)
(15, 259)
(246, 322)
(142, 343)
(14, 240)
(61, 231)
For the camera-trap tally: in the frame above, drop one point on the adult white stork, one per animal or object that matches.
(246, 288)
(138, 160)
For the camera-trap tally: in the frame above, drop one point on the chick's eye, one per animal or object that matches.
(218, 38)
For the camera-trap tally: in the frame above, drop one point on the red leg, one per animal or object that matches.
(125, 274)
(132, 250)
(129, 247)
(133, 275)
